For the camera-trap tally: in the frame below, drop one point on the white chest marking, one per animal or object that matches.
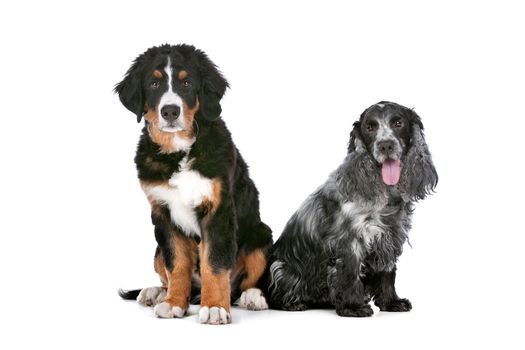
(185, 191)
(181, 143)
(366, 222)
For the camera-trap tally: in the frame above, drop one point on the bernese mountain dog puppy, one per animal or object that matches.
(340, 249)
(204, 206)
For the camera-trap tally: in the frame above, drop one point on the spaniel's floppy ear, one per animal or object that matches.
(355, 143)
(130, 92)
(418, 174)
(354, 134)
(213, 88)
(357, 178)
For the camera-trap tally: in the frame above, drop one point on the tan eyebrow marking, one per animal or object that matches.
(182, 74)
(157, 74)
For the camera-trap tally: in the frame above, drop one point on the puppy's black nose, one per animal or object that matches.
(170, 112)
(385, 147)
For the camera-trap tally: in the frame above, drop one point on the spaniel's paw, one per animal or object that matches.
(355, 311)
(397, 305)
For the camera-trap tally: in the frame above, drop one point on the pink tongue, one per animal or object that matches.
(391, 171)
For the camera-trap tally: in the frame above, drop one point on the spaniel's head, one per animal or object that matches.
(391, 137)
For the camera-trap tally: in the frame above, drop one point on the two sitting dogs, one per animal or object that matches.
(339, 249)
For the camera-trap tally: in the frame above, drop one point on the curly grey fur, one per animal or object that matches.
(358, 178)
(351, 228)
(418, 174)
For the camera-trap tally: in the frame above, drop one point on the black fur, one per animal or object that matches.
(340, 248)
(235, 226)
(208, 84)
(129, 294)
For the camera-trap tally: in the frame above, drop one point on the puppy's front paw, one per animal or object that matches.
(253, 299)
(214, 315)
(398, 305)
(151, 296)
(165, 310)
(355, 311)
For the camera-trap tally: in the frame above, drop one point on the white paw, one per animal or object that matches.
(151, 296)
(165, 310)
(214, 315)
(253, 299)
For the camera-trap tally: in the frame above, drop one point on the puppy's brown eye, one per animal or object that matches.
(186, 83)
(370, 128)
(398, 123)
(155, 85)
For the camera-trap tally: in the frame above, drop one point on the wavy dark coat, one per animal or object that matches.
(340, 248)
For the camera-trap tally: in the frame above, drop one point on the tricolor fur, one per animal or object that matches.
(204, 206)
(340, 248)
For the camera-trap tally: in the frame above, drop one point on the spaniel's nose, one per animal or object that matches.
(386, 147)
(170, 112)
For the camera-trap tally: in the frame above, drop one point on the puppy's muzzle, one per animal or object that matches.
(170, 113)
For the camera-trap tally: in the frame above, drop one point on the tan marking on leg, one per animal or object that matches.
(253, 265)
(182, 74)
(160, 268)
(179, 278)
(215, 290)
(157, 74)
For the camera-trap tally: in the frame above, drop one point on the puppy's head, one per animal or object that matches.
(393, 137)
(170, 86)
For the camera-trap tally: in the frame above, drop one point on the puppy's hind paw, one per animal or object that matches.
(151, 296)
(253, 299)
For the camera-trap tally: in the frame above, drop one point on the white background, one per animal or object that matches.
(75, 225)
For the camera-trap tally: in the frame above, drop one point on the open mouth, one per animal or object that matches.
(391, 171)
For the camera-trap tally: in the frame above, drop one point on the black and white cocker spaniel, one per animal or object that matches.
(340, 248)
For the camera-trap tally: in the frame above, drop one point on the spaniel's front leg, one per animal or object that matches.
(347, 290)
(384, 292)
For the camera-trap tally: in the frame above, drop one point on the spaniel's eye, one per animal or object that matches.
(186, 83)
(155, 85)
(398, 124)
(370, 127)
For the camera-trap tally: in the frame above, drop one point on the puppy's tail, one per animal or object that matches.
(132, 294)
(129, 294)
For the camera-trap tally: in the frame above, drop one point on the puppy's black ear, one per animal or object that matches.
(418, 174)
(130, 90)
(213, 87)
